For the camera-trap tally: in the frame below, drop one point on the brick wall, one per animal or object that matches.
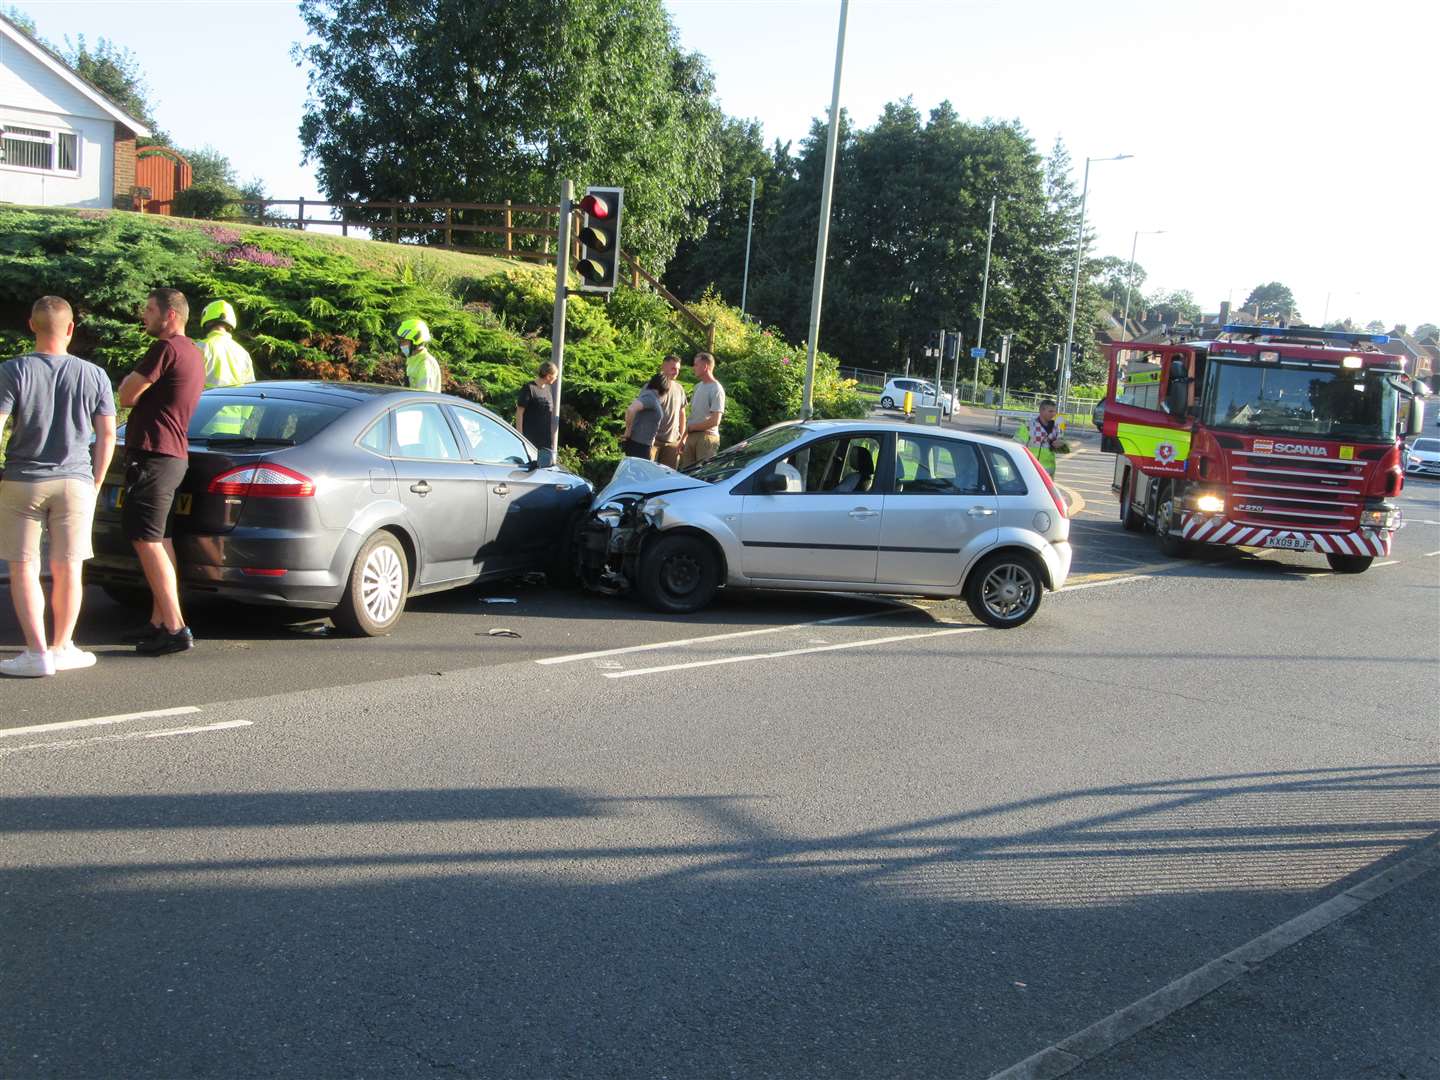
(124, 167)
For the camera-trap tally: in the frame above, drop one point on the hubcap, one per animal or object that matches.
(382, 584)
(1008, 590)
(680, 574)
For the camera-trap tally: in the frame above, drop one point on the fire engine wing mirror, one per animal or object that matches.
(1178, 389)
(1417, 415)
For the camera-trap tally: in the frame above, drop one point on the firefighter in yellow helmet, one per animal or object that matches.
(422, 371)
(226, 364)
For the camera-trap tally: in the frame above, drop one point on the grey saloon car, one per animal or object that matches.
(859, 506)
(349, 498)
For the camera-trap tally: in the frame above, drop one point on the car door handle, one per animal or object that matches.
(502, 489)
(422, 488)
(980, 511)
(864, 512)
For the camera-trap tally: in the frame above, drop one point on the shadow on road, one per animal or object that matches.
(467, 930)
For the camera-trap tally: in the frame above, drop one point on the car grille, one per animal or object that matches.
(1276, 490)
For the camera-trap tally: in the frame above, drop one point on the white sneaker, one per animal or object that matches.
(71, 658)
(28, 665)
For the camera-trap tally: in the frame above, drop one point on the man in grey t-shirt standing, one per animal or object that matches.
(670, 435)
(54, 402)
(707, 406)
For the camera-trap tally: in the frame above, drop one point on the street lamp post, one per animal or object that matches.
(749, 228)
(984, 295)
(1125, 319)
(1075, 284)
(807, 399)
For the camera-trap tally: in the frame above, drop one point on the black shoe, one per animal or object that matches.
(165, 642)
(143, 632)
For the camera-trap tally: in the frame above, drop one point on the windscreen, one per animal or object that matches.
(1327, 402)
(733, 459)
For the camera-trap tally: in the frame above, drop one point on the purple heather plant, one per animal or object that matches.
(252, 254)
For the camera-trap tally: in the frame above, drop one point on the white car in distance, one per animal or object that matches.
(893, 396)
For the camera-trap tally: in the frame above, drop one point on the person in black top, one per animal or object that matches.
(534, 407)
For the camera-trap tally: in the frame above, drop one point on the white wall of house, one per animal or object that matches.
(35, 99)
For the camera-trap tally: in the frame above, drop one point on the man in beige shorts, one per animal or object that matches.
(707, 408)
(54, 402)
(670, 434)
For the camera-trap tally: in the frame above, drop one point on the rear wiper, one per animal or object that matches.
(244, 440)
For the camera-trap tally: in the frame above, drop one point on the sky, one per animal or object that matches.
(1272, 140)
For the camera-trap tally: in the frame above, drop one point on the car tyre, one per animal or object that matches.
(887, 403)
(1004, 590)
(374, 597)
(129, 596)
(679, 574)
(1349, 564)
(1132, 520)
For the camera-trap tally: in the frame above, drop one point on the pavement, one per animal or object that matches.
(794, 836)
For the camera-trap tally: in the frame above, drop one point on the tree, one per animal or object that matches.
(1427, 330)
(115, 72)
(1176, 306)
(1274, 301)
(20, 19)
(1116, 275)
(443, 101)
(1375, 326)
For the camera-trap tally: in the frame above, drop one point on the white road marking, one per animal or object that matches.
(1430, 554)
(195, 730)
(1388, 562)
(99, 721)
(792, 652)
(572, 657)
(1102, 584)
(1086, 1045)
(71, 744)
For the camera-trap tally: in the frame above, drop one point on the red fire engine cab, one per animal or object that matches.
(1265, 437)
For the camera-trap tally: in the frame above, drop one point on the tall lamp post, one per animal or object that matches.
(1125, 319)
(984, 295)
(749, 228)
(1075, 284)
(807, 399)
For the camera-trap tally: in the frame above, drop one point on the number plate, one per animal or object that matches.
(1292, 543)
(184, 502)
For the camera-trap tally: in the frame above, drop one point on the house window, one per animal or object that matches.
(40, 149)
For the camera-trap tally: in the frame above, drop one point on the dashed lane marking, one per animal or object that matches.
(99, 721)
(129, 736)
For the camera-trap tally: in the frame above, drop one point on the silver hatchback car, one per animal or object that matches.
(856, 506)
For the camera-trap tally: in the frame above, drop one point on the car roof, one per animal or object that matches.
(901, 426)
(351, 390)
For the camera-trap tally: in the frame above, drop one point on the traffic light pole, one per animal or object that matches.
(1004, 379)
(557, 330)
(940, 374)
(807, 401)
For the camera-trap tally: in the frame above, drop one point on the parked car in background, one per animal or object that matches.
(1422, 457)
(874, 507)
(349, 498)
(893, 395)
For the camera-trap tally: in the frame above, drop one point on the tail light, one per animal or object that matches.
(263, 481)
(1055, 495)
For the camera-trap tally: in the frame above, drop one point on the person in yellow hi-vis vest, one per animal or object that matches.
(422, 371)
(1042, 434)
(226, 364)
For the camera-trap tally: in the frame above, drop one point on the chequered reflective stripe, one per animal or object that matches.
(1209, 529)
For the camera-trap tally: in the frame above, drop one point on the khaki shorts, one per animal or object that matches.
(66, 508)
(699, 446)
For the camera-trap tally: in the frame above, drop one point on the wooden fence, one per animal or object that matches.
(431, 219)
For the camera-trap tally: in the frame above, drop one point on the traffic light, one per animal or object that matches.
(952, 348)
(599, 265)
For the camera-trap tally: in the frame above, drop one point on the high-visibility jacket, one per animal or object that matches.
(227, 364)
(1041, 442)
(422, 371)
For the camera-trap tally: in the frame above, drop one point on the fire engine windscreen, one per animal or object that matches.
(1326, 402)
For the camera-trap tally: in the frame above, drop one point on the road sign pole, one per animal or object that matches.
(557, 330)
(1004, 378)
(940, 373)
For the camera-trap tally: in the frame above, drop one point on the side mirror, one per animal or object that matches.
(1178, 389)
(772, 483)
(1416, 417)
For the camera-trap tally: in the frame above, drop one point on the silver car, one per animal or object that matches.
(858, 506)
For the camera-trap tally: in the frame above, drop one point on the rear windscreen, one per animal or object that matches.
(231, 416)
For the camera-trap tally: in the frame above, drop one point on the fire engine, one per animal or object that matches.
(1265, 437)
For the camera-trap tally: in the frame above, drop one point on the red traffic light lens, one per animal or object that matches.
(594, 206)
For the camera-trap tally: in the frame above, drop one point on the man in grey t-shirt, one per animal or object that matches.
(707, 406)
(671, 432)
(54, 402)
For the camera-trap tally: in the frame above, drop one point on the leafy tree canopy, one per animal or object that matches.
(1116, 275)
(1274, 301)
(115, 71)
(445, 100)
(1427, 330)
(1176, 306)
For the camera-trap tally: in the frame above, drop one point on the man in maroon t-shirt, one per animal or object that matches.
(161, 392)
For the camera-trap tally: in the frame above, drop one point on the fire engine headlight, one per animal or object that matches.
(1380, 517)
(1210, 504)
